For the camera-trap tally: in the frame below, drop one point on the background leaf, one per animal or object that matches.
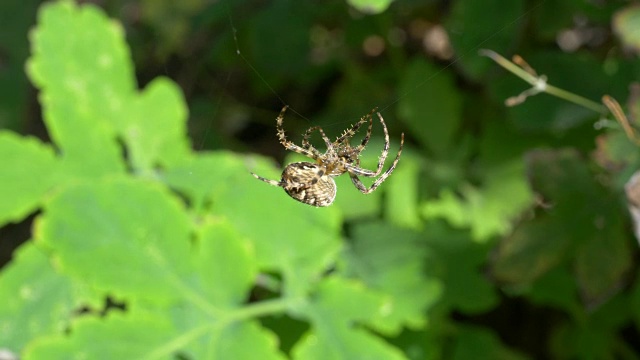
(146, 243)
(37, 171)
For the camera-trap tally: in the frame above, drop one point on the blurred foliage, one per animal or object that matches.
(135, 230)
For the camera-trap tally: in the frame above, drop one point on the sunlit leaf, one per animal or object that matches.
(396, 268)
(32, 170)
(81, 64)
(370, 6)
(625, 24)
(37, 300)
(156, 133)
(118, 336)
(108, 231)
(336, 306)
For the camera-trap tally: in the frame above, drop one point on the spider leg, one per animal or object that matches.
(363, 189)
(307, 145)
(270, 182)
(288, 144)
(305, 139)
(385, 151)
(364, 142)
(350, 132)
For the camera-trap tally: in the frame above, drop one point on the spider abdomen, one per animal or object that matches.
(308, 183)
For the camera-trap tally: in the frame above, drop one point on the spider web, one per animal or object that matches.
(406, 92)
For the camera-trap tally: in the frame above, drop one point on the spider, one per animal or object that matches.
(312, 183)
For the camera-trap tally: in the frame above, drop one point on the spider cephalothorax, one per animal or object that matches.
(312, 183)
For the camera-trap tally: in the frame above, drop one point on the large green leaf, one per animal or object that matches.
(456, 261)
(490, 208)
(580, 215)
(337, 305)
(123, 236)
(479, 343)
(156, 132)
(81, 64)
(117, 336)
(391, 261)
(31, 171)
(37, 300)
(289, 236)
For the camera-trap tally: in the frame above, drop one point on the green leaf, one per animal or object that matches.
(37, 300)
(430, 106)
(156, 133)
(353, 204)
(287, 235)
(533, 249)
(479, 343)
(583, 341)
(193, 177)
(605, 258)
(470, 29)
(456, 261)
(220, 328)
(488, 210)
(81, 64)
(625, 24)
(336, 305)
(112, 230)
(394, 268)
(370, 6)
(402, 193)
(580, 215)
(30, 171)
(232, 343)
(226, 264)
(130, 335)
(556, 288)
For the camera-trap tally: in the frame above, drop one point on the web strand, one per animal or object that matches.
(405, 93)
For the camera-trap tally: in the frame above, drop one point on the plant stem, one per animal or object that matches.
(540, 83)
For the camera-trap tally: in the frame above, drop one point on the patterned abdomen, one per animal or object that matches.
(308, 183)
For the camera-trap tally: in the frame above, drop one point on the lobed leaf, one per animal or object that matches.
(81, 64)
(37, 300)
(337, 305)
(455, 261)
(394, 268)
(156, 131)
(125, 236)
(479, 343)
(130, 335)
(32, 170)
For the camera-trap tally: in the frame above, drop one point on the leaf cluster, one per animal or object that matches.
(503, 233)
